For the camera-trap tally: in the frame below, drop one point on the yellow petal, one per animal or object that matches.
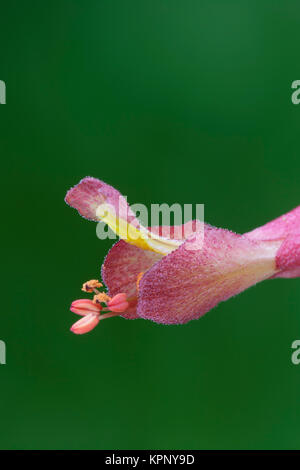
(135, 235)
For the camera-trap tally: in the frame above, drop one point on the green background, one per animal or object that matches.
(169, 101)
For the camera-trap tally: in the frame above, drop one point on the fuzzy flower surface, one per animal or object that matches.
(172, 275)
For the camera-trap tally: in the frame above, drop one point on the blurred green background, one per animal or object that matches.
(169, 101)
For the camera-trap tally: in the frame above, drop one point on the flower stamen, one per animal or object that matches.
(101, 298)
(90, 286)
(91, 310)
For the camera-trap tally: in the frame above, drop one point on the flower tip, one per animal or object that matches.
(86, 196)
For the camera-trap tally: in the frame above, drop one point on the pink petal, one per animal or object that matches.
(90, 192)
(193, 279)
(178, 232)
(278, 228)
(85, 324)
(84, 307)
(125, 262)
(287, 229)
(288, 257)
(121, 268)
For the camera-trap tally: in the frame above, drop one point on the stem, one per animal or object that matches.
(108, 315)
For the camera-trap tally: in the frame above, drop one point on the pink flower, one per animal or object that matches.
(174, 274)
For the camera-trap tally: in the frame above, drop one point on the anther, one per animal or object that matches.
(90, 286)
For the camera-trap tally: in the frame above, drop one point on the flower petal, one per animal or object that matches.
(288, 257)
(90, 193)
(278, 228)
(98, 201)
(125, 262)
(287, 229)
(121, 268)
(85, 324)
(197, 276)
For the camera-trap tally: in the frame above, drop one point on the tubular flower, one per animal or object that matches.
(172, 275)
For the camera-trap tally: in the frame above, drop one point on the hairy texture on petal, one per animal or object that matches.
(197, 276)
(278, 228)
(288, 257)
(179, 232)
(121, 268)
(98, 201)
(287, 229)
(90, 193)
(125, 262)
